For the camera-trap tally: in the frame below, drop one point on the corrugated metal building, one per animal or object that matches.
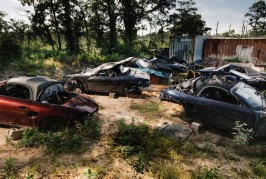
(245, 50)
(187, 48)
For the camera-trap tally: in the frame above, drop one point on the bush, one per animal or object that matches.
(139, 145)
(68, 140)
(242, 135)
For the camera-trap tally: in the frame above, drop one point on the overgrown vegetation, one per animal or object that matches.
(150, 110)
(10, 170)
(148, 150)
(66, 141)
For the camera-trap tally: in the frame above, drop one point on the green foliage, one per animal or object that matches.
(10, 171)
(242, 135)
(257, 15)
(259, 169)
(208, 173)
(66, 141)
(90, 174)
(140, 145)
(233, 60)
(150, 111)
(187, 21)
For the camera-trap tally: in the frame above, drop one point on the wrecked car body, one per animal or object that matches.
(110, 77)
(170, 63)
(256, 82)
(220, 103)
(159, 71)
(246, 68)
(42, 102)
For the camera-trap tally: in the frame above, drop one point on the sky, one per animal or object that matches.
(226, 12)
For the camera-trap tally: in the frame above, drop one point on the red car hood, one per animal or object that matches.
(83, 102)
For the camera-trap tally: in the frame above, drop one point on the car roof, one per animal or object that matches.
(104, 66)
(35, 83)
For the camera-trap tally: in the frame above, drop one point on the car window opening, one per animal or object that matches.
(15, 90)
(219, 95)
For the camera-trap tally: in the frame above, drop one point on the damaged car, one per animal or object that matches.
(255, 82)
(41, 102)
(246, 68)
(169, 63)
(110, 77)
(159, 71)
(220, 103)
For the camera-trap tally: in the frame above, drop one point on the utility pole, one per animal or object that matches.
(229, 30)
(243, 29)
(217, 25)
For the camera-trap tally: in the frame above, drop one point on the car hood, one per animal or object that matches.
(83, 102)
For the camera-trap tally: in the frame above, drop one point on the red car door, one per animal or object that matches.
(14, 110)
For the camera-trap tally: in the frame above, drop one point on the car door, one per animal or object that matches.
(103, 81)
(14, 106)
(223, 110)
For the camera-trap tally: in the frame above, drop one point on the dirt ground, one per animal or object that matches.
(111, 110)
(35, 162)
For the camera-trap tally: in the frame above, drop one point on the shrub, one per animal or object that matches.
(68, 140)
(139, 145)
(10, 171)
(242, 135)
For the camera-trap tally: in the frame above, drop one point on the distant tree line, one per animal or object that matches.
(81, 25)
(106, 23)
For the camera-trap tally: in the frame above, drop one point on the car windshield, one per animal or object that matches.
(249, 96)
(142, 63)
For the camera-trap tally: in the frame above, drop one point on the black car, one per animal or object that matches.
(246, 68)
(169, 63)
(110, 77)
(220, 103)
(256, 82)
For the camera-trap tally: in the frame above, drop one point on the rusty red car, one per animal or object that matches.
(41, 102)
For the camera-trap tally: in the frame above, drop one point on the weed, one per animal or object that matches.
(259, 169)
(10, 171)
(29, 176)
(68, 140)
(242, 135)
(208, 173)
(90, 174)
(150, 111)
(141, 145)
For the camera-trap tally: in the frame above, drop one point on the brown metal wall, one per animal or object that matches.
(252, 50)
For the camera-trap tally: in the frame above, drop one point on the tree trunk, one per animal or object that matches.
(56, 25)
(112, 23)
(68, 27)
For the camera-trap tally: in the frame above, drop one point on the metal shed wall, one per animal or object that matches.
(187, 48)
(245, 50)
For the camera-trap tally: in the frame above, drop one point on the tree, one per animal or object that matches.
(133, 12)
(257, 18)
(187, 21)
(9, 41)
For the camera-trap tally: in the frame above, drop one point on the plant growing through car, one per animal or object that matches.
(242, 135)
